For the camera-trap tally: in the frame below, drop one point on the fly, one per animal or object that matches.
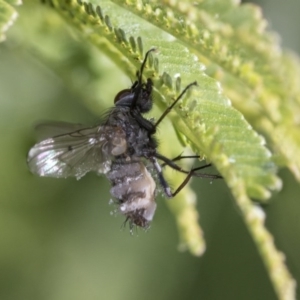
(122, 146)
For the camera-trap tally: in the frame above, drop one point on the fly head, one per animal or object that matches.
(139, 96)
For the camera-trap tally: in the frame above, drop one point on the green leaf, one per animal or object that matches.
(7, 16)
(260, 79)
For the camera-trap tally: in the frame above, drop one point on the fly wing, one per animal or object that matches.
(77, 152)
(50, 129)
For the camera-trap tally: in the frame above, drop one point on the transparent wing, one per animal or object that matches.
(77, 152)
(49, 129)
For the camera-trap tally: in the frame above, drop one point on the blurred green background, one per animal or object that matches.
(58, 239)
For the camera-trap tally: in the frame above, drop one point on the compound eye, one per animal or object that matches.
(124, 98)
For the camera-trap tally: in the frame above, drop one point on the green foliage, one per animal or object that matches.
(7, 16)
(225, 47)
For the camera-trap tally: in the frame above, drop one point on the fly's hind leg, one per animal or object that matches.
(190, 174)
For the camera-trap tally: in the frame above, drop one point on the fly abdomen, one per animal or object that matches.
(134, 189)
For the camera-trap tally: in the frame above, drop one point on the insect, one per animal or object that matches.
(122, 146)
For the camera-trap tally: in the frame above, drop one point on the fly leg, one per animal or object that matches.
(161, 177)
(190, 174)
(180, 157)
(173, 165)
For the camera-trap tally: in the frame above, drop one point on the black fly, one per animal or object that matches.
(122, 147)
